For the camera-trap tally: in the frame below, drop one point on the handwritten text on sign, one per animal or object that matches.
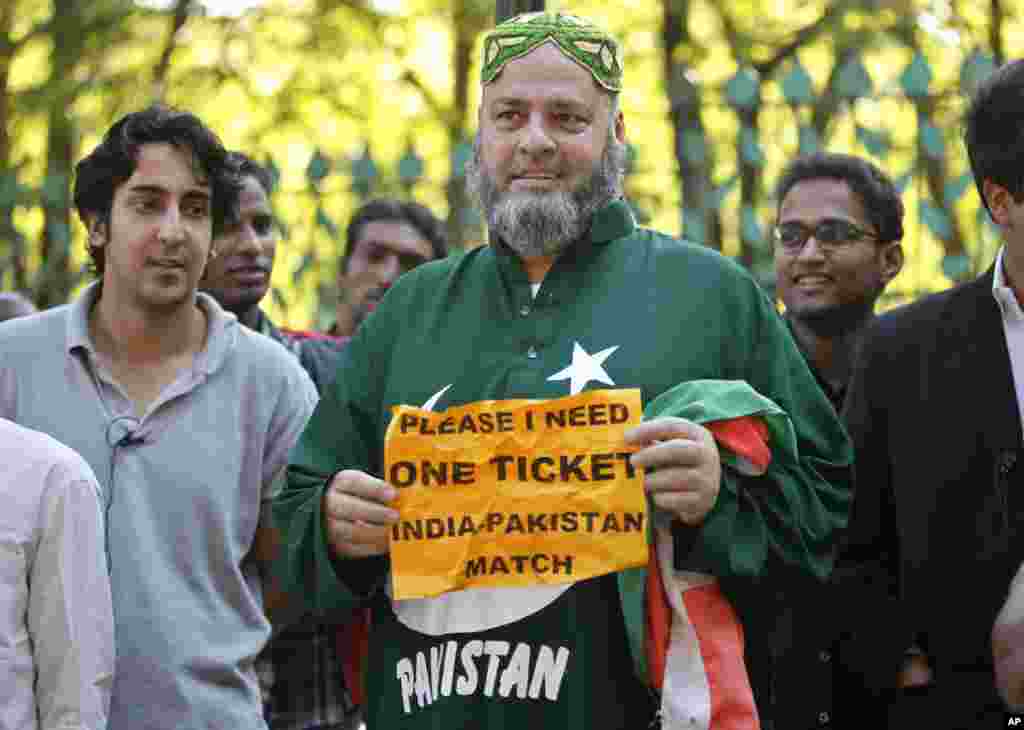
(514, 493)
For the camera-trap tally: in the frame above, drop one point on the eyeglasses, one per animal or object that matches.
(831, 234)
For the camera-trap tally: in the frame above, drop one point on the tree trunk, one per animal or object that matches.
(702, 221)
(505, 9)
(9, 235)
(997, 21)
(468, 20)
(55, 281)
(178, 19)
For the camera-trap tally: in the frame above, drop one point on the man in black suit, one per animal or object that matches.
(936, 421)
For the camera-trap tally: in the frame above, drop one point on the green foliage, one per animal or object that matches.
(364, 173)
(750, 147)
(936, 219)
(410, 168)
(797, 85)
(917, 77)
(742, 89)
(750, 226)
(956, 187)
(694, 147)
(875, 141)
(313, 87)
(853, 80)
(810, 142)
(956, 266)
(319, 167)
(932, 141)
(976, 66)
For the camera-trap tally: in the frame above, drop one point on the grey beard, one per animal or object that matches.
(545, 224)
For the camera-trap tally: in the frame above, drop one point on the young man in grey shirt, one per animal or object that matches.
(186, 417)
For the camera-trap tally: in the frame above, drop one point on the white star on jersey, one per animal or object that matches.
(584, 368)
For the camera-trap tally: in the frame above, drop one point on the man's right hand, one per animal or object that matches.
(356, 516)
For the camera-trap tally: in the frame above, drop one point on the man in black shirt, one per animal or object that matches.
(837, 245)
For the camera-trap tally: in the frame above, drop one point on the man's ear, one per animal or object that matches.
(999, 201)
(97, 233)
(891, 260)
(620, 128)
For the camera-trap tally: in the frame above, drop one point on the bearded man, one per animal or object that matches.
(569, 295)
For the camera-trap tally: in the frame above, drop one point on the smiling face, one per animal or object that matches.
(831, 290)
(158, 237)
(545, 131)
(238, 276)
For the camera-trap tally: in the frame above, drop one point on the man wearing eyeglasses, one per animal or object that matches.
(837, 246)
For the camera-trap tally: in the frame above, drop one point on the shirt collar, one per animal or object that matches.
(222, 328)
(78, 320)
(1004, 295)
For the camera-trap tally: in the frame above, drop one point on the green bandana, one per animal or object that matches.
(578, 38)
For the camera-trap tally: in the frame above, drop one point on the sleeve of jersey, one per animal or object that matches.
(341, 434)
(791, 515)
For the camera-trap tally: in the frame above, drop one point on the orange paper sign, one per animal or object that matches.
(515, 493)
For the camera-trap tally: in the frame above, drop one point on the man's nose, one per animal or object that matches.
(811, 249)
(389, 270)
(172, 228)
(535, 139)
(247, 242)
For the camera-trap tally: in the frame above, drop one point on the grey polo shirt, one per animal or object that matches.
(182, 488)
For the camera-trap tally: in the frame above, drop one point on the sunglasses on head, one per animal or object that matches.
(830, 233)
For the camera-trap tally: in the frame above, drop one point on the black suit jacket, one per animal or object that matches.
(937, 530)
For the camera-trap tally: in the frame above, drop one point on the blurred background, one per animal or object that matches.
(345, 100)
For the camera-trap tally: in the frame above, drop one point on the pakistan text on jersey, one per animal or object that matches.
(433, 528)
(487, 668)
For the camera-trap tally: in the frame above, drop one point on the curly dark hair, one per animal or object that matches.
(106, 168)
(245, 166)
(876, 191)
(389, 209)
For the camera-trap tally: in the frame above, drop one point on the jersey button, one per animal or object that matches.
(524, 311)
(823, 718)
(532, 353)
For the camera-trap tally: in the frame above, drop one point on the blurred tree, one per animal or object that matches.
(505, 9)
(347, 99)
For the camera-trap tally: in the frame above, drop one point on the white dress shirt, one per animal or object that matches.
(1013, 327)
(56, 619)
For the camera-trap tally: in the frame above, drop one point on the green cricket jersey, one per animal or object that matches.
(625, 308)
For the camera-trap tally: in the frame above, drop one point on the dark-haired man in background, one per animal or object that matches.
(385, 239)
(934, 410)
(185, 417)
(238, 277)
(837, 246)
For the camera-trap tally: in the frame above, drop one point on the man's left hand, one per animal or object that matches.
(687, 469)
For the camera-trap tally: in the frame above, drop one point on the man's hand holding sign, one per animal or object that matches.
(686, 466)
(520, 492)
(357, 517)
